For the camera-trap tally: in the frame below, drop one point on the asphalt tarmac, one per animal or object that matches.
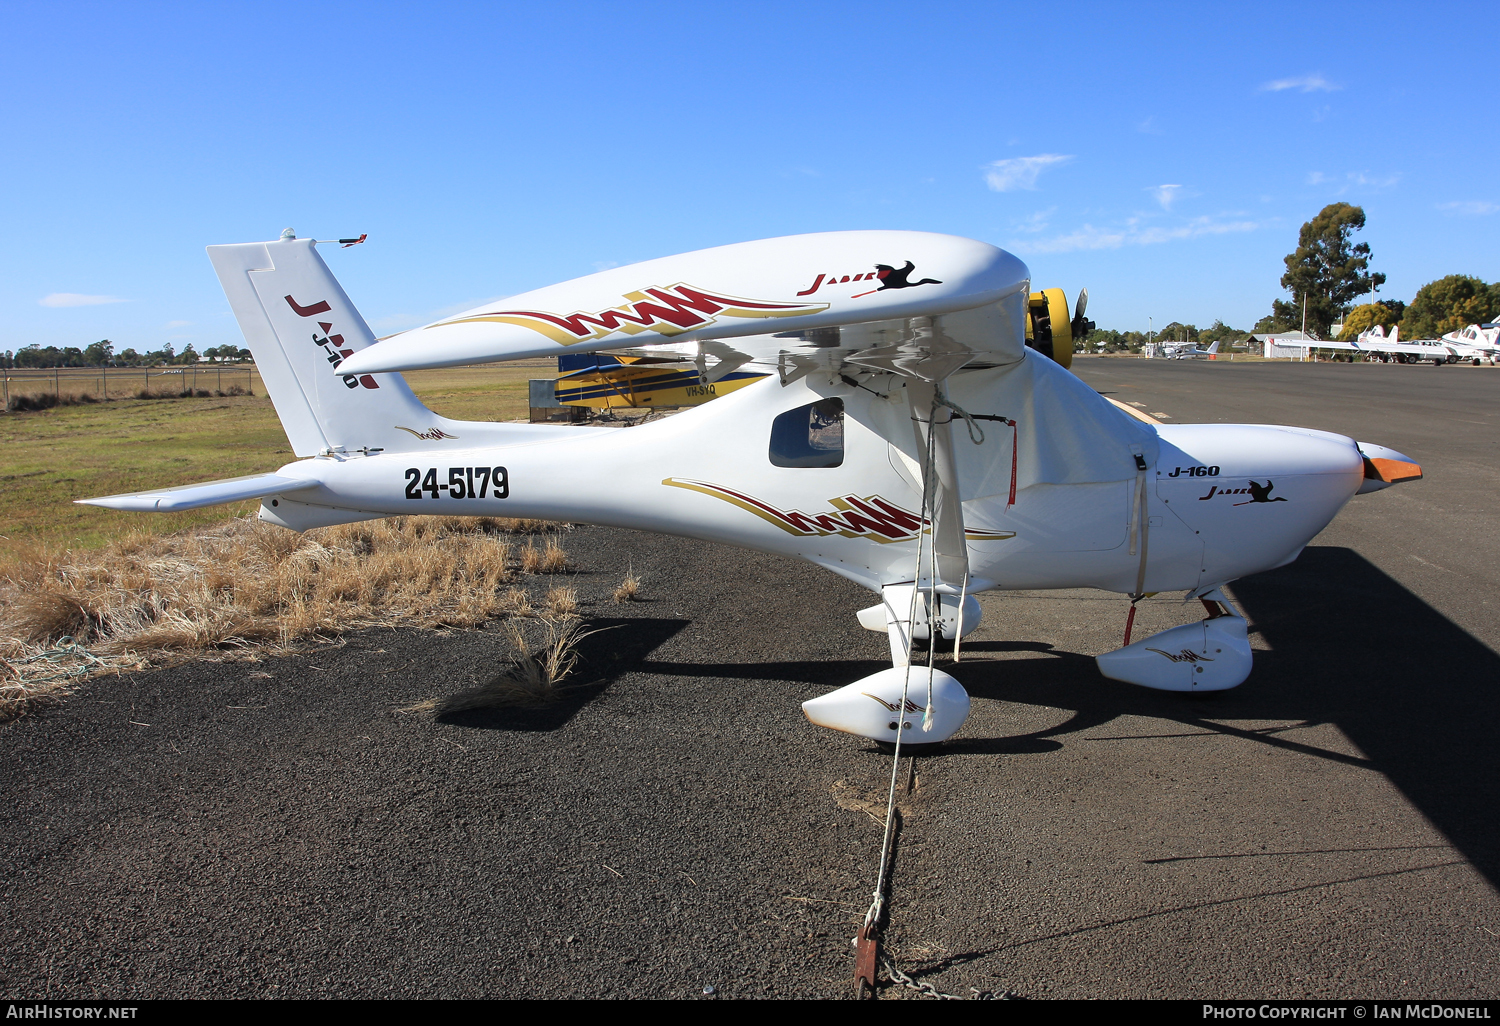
(1327, 830)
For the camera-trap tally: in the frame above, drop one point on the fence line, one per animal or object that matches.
(122, 383)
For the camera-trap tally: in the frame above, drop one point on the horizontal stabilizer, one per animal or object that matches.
(209, 493)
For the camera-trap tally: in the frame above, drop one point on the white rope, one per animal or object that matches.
(877, 904)
(963, 597)
(933, 609)
(976, 433)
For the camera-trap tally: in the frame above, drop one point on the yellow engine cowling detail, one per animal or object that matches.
(1049, 329)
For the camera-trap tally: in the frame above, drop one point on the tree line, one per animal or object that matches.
(102, 354)
(1327, 275)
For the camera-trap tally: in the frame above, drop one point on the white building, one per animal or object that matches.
(1285, 345)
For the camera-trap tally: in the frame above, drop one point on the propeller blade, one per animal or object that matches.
(1081, 325)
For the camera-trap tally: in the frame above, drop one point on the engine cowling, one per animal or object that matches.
(1050, 330)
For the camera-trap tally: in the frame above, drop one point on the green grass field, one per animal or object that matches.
(127, 445)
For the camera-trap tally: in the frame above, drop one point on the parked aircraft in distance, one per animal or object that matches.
(1185, 350)
(1390, 349)
(1476, 342)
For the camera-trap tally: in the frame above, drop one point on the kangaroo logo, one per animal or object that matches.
(1261, 493)
(892, 278)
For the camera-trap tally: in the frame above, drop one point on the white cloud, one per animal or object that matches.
(1036, 222)
(1314, 83)
(1471, 207)
(178, 324)
(1087, 237)
(1364, 179)
(76, 299)
(1164, 194)
(1131, 234)
(1020, 172)
(1149, 126)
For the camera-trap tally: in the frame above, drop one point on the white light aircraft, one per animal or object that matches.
(1476, 342)
(905, 438)
(1375, 342)
(1186, 350)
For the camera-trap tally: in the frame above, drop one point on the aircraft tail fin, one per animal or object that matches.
(300, 325)
(1395, 335)
(1213, 349)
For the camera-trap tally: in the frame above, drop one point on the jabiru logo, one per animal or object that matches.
(888, 276)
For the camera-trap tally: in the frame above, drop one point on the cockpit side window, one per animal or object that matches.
(809, 436)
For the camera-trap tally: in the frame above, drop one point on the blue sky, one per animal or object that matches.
(1162, 155)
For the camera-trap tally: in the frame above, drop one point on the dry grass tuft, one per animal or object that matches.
(554, 557)
(629, 588)
(518, 601)
(550, 559)
(47, 616)
(245, 584)
(531, 559)
(562, 602)
(536, 677)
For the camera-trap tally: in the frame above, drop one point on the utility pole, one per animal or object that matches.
(1305, 348)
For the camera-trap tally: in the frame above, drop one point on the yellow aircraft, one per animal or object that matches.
(635, 382)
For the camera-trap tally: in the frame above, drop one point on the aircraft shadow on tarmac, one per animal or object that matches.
(611, 648)
(1349, 645)
(1418, 694)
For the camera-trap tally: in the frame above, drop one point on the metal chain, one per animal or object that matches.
(925, 989)
(928, 990)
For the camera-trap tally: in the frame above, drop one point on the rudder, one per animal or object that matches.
(300, 325)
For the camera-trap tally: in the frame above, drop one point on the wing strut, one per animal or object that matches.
(948, 559)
